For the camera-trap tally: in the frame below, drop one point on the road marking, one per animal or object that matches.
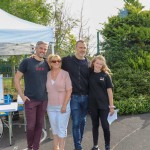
(126, 137)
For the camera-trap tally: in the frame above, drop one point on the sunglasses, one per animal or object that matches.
(54, 61)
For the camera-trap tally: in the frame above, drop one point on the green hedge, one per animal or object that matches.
(131, 85)
(133, 106)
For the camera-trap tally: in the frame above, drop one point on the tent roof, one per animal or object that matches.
(18, 31)
(14, 29)
(16, 49)
(10, 22)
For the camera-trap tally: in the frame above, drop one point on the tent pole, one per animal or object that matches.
(52, 48)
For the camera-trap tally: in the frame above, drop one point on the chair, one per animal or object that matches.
(1, 128)
(21, 109)
(8, 99)
(6, 114)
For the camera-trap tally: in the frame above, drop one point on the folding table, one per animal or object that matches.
(9, 108)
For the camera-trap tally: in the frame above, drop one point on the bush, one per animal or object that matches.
(133, 106)
(130, 83)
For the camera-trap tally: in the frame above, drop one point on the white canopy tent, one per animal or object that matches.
(18, 36)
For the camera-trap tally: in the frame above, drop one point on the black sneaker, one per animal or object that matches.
(95, 148)
(107, 147)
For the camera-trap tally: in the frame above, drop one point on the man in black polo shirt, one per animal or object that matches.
(78, 68)
(34, 96)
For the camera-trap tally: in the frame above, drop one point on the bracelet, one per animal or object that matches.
(112, 106)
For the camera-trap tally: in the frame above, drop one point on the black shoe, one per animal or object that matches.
(95, 148)
(107, 147)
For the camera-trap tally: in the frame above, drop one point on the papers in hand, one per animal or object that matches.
(112, 118)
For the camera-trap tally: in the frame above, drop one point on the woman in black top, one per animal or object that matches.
(100, 99)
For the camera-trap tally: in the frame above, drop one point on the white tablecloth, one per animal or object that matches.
(9, 107)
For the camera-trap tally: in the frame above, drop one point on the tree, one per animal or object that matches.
(84, 30)
(35, 11)
(129, 34)
(63, 24)
(127, 45)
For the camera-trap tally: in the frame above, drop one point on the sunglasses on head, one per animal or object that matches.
(54, 61)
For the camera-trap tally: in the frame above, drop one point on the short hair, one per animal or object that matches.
(40, 42)
(79, 41)
(50, 58)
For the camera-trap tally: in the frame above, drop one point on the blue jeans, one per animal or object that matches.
(79, 106)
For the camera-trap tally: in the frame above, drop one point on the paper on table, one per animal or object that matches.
(112, 118)
(9, 108)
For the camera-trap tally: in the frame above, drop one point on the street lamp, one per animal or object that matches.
(98, 44)
(123, 13)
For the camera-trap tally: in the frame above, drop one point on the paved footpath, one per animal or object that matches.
(127, 133)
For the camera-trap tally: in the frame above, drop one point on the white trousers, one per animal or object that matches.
(59, 122)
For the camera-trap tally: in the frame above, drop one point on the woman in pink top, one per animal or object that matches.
(59, 90)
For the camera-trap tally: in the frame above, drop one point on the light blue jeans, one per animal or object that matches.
(58, 121)
(79, 107)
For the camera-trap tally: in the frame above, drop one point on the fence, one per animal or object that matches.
(6, 70)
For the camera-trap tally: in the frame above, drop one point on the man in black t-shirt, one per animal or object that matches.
(34, 96)
(78, 68)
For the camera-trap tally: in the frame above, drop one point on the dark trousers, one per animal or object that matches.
(98, 115)
(35, 112)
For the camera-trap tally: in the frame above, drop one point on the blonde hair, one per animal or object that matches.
(51, 57)
(104, 67)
